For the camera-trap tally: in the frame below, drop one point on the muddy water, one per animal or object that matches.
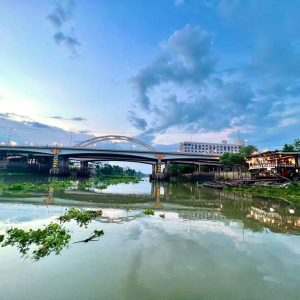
(211, 245)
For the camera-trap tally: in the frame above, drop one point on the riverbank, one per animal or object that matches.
(290, 193)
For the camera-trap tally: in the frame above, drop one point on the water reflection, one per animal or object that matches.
(209, 245)
(190, 201)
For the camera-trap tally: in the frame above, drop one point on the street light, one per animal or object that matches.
(10, 134)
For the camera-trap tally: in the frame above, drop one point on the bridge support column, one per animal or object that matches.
(153, 169)
(167, 167)
(83, 169)
(84, 165)
(157, 173)
(63, 162)
(158, 166)
(60, 165)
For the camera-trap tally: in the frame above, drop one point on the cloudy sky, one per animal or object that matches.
(162, 71)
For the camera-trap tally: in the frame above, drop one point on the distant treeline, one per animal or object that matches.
(117, 170)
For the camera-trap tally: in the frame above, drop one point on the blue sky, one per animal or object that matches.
(162, 71)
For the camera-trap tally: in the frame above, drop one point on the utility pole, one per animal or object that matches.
(71, 138)
(10, 134)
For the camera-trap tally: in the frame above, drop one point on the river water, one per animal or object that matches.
(211, 245)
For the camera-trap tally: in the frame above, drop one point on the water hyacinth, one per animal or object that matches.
(27, 186)
(148, 212)
(80, 216)
(53, 238)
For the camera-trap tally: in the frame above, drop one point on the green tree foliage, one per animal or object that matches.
(248, 150)
(288, 147)
(297, 144)
(130, 172)
(109, 170)
(229, 159)
(204, 169)
(292, 147)
(117, 170)
(106, 170)
(177, 170)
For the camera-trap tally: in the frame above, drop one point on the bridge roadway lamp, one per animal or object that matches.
(10, 134)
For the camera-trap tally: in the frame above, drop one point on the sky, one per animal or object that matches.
(161, 71)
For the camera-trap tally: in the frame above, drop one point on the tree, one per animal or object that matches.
(204, 168)
(177, 170)
(229, 159)
(117, 170)
(297, 144)
(288, 147)
(292, 147)
(107, 170)
(130, 172)
(248, 150)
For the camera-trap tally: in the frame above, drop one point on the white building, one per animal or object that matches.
(212, 148)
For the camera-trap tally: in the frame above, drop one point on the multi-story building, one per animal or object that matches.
(212, 148)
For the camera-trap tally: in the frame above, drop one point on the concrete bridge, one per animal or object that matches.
(84, 153)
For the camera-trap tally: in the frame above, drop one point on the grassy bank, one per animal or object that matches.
(291, 193)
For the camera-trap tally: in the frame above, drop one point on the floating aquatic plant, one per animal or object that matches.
(291, 192)
(95, 234)
(82, 217)
(53, 238)
(24, 187)
(148, 212)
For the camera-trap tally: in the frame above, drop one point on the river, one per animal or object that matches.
(210, 245)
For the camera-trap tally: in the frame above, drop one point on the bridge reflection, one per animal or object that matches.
(192, 202)
(187, 200)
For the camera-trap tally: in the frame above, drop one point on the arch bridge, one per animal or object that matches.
(94, 150)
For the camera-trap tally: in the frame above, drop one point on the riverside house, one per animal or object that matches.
(275, 164)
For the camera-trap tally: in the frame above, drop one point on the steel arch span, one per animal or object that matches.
(98, 139)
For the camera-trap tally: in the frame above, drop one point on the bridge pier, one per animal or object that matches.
(157, 173)
(153, 169)
(60, 165)
(84, 169)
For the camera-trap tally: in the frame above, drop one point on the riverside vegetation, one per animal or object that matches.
(291, 192)
(25, 187)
